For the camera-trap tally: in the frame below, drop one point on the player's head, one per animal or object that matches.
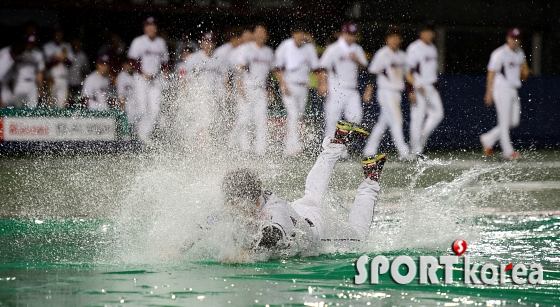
(349, 32)
(247, 34)
(514, 37)
(299, 32)
(127, 66)
(260, 34)
(186, 52)
(102, 64)
(208, 42)
(427, 32)
(76, 44)
(58, 34)
(241, 190)
(393, 37)
(150, 27)
(31, 41)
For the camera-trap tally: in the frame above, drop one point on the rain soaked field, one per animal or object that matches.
(110, 230)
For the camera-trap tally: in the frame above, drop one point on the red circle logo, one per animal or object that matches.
(459, 247)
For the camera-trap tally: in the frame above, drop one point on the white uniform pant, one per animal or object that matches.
(252, 110)
(425, 116)
(390, 116)
(60, 91)
(26, 94)
(295, 104)
(310, 205)
(341, 100)
(148, 101)
(508, 109)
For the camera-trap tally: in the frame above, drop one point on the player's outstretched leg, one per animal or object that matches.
(361, 213)
(348, 132)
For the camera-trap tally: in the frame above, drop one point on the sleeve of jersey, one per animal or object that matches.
(314, 58)
(279, 58)
(134, 56)
(494, 63)
(410, 61)
(41, 62)
(271, 235)
(362, 56)
(376, 64)
(325, 61)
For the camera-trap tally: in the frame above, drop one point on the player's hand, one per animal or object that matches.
(488, 99)
(421, 89)
(322, 90)
(147, 76)
(354, 58)
(367, 95)
(412, 97)
(285, 90)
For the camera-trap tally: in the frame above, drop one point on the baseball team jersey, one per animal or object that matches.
(507, 64)
(125, 85)
(205, 72)
(342, 71)
(223, 51)
(80, 64)
(181, 68)
(257, 63)
(59, 70)
(96, 91)
(29, 63)
(277, 213)
(296, 62)
(422, 63)
(152, 54)
(389, 66)
(6, 62)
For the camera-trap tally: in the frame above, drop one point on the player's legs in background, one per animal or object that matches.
(374, 139)
(294, 104)
(60, 92)
(240, 134)
(504, 108)
(333, 111)
(260, 117)
(353, 111)
(515, 111)
(417, 115)
(141, 91)
(26, 94)
(393, 115)
(434, 112)
(490, 138)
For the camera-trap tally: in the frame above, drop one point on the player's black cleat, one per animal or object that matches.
(348, 132)
(373, 165)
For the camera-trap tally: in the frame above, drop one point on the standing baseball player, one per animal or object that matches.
(295, 58)
(254, 64)
(149, 56)
(59, 57)
(125, 93)
(506, 69)
(96, 91)
(426, 109)
(30, 67)
(341, 63)
(205, 74)
(388, 64)
(8, 55)
(77, 71)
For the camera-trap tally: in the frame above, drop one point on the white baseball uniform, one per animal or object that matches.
(6, 65)
(427, 112)
(80, 64)
(342, 79)
(308, 215)
(58, 70)
(295, 63)
(506, 63)
(205, 76)
(225, 95)
(125, 91)
(26, 89)
(96, 91)
(150, 57)
(389, 66)
(256, 63)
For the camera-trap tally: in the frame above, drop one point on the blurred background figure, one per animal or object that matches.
(59, 57)
(97, 86)
(125, 94)
(149, 56)
(295, 58)
(254, 64)
(340, 63)
(205, 74)
(426, 109)
(77, 72)
(29, 75)
(182, 44)
(506, 69)
(8, 56)
(115, 48)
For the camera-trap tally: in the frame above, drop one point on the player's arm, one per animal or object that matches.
(489, 85)
(525, 71)
(283, 86)
(322, 87)
(368, 93)
(410, 87)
